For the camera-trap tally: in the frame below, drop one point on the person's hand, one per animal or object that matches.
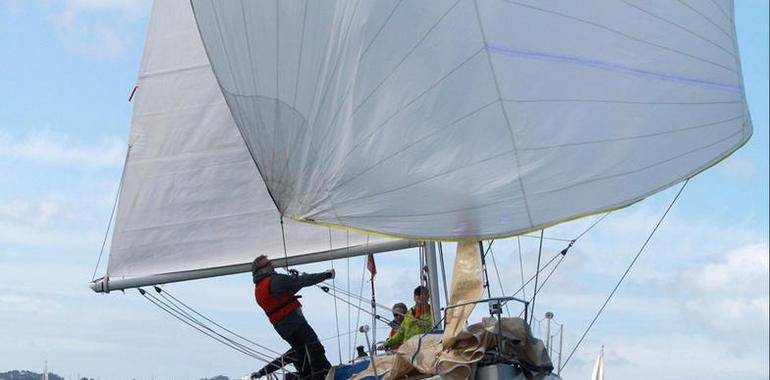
(330, 273)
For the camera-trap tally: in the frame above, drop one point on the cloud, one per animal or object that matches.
(738, 167)
(91, 39)
(56, 148)
(97, 28)
(29, 213)
(129, 8)
(731, 295)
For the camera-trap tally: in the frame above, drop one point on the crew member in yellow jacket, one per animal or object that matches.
(418, 319)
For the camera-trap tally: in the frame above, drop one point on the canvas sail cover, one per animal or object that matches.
(463, 120)
(192, 197)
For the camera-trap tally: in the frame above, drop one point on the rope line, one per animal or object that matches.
(347, 260)
(160, 305)
(360, 296)
(179, 311)
(167, 295)
(499, 280)
(285, 254)
(112, 213)
(336, 314)
(620, 281)
(521, 267)
(537, 273)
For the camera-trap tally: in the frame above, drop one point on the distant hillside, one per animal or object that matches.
(27, 375)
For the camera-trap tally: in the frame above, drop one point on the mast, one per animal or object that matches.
(435, 296)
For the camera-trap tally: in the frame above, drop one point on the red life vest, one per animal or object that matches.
(276, 308)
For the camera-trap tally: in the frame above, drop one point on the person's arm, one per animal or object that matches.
(281, 283)
(397, 338)
(425, 323)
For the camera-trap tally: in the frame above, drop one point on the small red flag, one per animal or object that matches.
(370, 264)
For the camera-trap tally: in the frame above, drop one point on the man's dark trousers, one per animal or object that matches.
(312, 363)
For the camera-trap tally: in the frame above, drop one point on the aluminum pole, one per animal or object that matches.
(435, 296)
(107, 284)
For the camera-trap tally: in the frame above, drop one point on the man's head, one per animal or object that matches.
(421, 295)
(399, 310)
(261, 265)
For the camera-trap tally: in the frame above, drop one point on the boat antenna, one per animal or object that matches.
(620, 281)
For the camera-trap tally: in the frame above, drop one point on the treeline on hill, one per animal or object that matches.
(28, 375)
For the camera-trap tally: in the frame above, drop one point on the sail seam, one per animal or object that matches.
(608, 66)
(628, 36)
(611, 101)
(505, 114)
(732, 54)
(172, 71)
(353, 82)
(387, 77)
(637, 137)
(710, 21)
(406, 106)
(438, 131)
(643, 168)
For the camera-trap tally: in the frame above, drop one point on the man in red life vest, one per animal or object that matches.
(276, 294)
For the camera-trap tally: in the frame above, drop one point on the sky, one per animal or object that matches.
(695, 305)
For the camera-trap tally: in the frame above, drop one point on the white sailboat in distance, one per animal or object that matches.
(598, 372)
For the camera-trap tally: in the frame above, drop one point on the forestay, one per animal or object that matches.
(465, 119)
(192, 199)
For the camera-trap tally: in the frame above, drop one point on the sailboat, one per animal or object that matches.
(598, 372)
(311, 131)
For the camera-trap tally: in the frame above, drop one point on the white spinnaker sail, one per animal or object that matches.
(192, 197)
(472, 119)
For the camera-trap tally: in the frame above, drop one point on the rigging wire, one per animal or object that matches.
(347, 260)
(327, 289)
(563, 254)
(342, 291)
(112, 213)
(443, 271)
(179, 311)
(620, 281)
(591, 226)
(537, 273)
(165, 294)
(285, 254)
(499, 281)
(360, 296)
(546, 238)
(158, 304)
(336, 314)
(521, 267)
